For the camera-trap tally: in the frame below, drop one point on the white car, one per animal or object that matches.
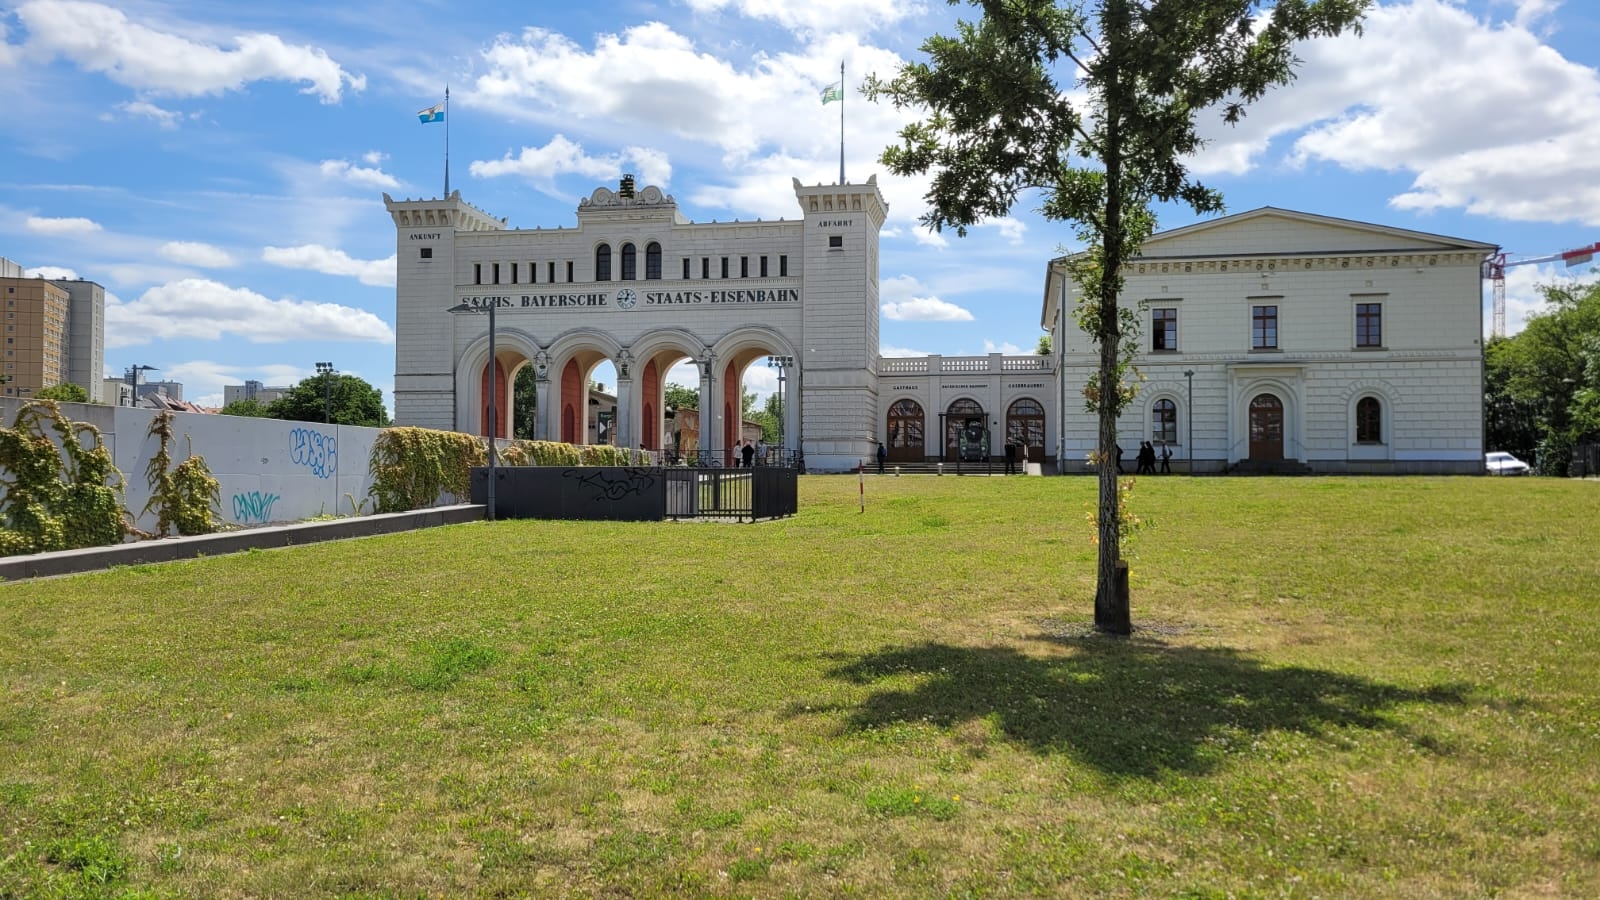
(1501, 463)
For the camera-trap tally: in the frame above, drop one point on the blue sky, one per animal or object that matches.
(219, 167)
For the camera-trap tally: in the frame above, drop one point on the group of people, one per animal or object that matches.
(748, 453)
(1147, 459)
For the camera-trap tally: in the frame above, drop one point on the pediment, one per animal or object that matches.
(1271, 231)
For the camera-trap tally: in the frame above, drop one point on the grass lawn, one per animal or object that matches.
(1344, 687)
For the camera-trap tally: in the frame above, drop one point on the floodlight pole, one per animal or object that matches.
(325, 369)
(1189, 408)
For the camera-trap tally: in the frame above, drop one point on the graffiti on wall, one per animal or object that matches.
(254, 506)
(316, 451)
(613, 484)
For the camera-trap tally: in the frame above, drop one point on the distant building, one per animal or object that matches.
(55, 332)
(252, 390)
(172, 390)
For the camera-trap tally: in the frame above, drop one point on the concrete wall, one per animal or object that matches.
(269, 470)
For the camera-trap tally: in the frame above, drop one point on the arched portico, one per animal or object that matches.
(513, 350)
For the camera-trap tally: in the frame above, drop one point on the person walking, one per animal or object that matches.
(883, 456)
(1166, 458)
(1117, 448)
(749, 454)
(1011, 458)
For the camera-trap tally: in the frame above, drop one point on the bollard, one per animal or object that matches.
(941, 468)
(897, 471)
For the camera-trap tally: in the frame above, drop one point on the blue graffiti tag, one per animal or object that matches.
(254, 506)
(316, 451)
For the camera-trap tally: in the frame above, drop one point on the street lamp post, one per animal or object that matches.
(1189, 408)
(325, 369)
(132, 377)
(494, 400)
(782, 364)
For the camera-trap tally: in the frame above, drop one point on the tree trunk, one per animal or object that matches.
(1111, 604)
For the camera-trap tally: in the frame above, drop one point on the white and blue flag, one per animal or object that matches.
(431, 114)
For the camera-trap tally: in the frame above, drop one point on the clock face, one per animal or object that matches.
(626, 298)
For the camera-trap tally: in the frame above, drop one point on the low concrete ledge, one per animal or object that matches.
(89, 559)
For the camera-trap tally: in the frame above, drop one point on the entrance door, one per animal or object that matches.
(1266, 428)
(906, 423)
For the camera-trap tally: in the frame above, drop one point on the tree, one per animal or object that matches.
(1044, 345)
(351, 400)
(1542, 385)
(250, 407)
(65, 391)
(680, 397)
(524, 403)
(1092, 104)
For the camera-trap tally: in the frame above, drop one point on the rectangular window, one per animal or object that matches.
(705, 267)
(477, 273)
(763, 267)
(783, 265)
(724, 267)
(1264, 327)
(835, 242)
(496, 273)
(551, 271)
(1163, 330)
(686, 268)
(514, 268)
(533, 273)
(426, 253)
(1369, 324)
(569, 271)
(744, 267)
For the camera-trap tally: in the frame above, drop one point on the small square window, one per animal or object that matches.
(425, 253)
(835, 242)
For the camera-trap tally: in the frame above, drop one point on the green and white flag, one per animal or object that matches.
(833, 92)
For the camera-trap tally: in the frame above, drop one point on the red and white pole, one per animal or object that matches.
(861, 479)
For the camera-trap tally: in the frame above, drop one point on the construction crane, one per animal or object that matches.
(1494, 268)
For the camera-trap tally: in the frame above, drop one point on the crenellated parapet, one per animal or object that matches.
(451, 212)
(847, 198)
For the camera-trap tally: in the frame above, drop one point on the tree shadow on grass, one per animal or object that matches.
(1126, 707)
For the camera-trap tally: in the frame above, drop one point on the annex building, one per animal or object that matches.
(1366, 339)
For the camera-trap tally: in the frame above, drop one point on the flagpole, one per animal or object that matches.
(841, 123)
(447, 142)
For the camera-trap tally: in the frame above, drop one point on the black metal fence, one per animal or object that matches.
(640, 493)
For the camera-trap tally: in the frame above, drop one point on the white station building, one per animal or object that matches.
(1322, 343)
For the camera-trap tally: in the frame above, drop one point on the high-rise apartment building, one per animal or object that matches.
(55, 332)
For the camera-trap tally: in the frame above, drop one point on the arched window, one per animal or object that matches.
(1164, 421)
(1369, 421)
(965, 429)
(629, 269)
(652, 262)
(602, 263)
(906, 424)
(1025, 425)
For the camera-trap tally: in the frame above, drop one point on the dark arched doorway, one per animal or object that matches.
(907, 425)
(1266, 428)
(1025, 428)
(966, 432)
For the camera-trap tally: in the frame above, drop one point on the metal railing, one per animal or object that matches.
(759, 492)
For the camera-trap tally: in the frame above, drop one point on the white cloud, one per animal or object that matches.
(901, 352)
(42, 225)
(328, 261)
(1005, 347)
(8, 53)
(1487, 117)
(343, 170)
(1531, 12)
(167, 119)
(905, 299)
(1012, 230)
(374, 157)
(562, 156)
(100, 38)
(51, 273)
(925, 309)
(854, 16)
(1523, 295)
(201, 309)
(193, 253)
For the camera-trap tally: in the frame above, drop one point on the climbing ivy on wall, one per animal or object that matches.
(411, 467)
(57, 498)
(182, 497)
